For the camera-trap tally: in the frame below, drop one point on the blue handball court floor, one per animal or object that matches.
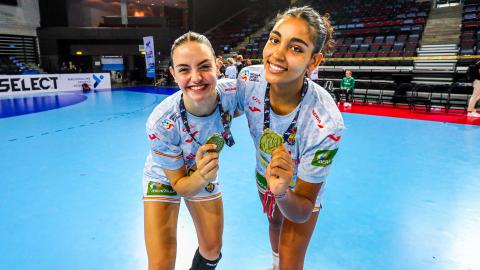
(402, 195)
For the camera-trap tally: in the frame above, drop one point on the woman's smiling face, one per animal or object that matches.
(288, 52)
(194, 70)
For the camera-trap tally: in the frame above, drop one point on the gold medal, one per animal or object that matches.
(270, 141)
(218, 140)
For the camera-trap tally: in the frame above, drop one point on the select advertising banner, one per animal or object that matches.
(49, 83)
(149, 56)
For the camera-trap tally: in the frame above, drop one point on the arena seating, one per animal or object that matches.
(229, 34)
(380, 30)
(361, 32)
(12, 66)
(414, 96)
(7, 67)
(470, 37)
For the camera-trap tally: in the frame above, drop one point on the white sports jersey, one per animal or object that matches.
(171, 146)
(319, 127)
(231, 72)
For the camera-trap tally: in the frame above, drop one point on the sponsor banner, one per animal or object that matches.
(50, 83)
(112, 63)
(149, 56)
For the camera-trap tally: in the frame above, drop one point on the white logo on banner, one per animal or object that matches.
(47, 83)
(149, 56)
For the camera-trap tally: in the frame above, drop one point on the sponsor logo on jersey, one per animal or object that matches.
(210, 187)
(319, 121)
(335, 138)
(254, 77)
(244, 75)
(160, 189)
(323, 158)
(250, 76)
(261, 181)
(231, 89)
(190, 139)
(254, 109)
(257, 100)
(291, 137)
(152, 136)
(167, 123)
(174, 117)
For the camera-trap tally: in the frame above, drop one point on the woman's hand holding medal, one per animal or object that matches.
(207, 163)
(207, 158)
(280, 171)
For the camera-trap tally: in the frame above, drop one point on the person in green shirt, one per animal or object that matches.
(347, 84)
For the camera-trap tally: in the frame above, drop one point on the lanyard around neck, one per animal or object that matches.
(289, 134)
(225, 117)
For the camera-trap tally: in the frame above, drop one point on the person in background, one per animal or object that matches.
(346, 85)
(220, 67)
(239, 62)
(64, 68)
(71, 67)
(474, 73)
(231, 70)
(86, 87)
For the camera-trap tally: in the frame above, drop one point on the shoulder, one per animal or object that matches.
(323, 108)
(227, 89)
(165, 113)
(226, 85)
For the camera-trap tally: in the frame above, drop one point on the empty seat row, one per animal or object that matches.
(470, 33)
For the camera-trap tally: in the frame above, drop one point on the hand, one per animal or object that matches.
(207, 163)
(280, 171)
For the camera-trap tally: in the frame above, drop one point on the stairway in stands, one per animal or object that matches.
(439, 41)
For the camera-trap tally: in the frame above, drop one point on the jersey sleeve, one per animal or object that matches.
(241, 90)
(318, 155)
(228, 93)
(165, 145)
(323, 131)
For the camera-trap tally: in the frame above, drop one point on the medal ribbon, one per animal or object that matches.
(225, 117)
(292, 129)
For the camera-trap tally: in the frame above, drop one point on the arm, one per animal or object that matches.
(296, 205)
(207, 167)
